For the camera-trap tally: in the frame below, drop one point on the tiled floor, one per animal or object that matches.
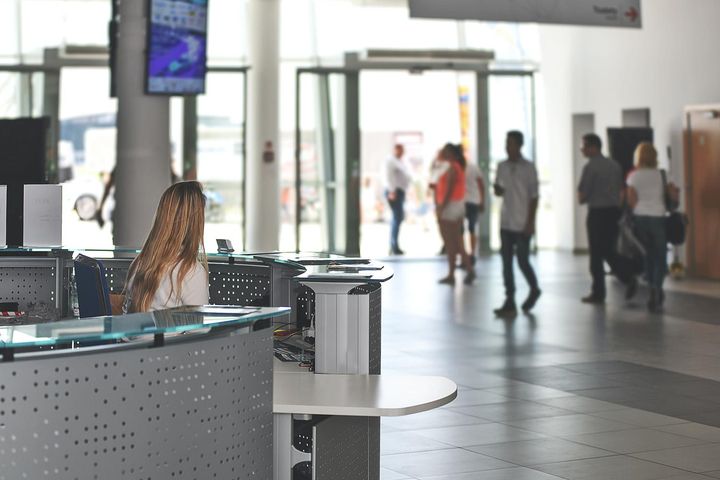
(570, 392)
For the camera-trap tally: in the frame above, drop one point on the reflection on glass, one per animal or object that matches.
(182, 319)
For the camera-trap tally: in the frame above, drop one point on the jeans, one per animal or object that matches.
(602, 228)
(397, 207)
(516, 243)
(651, 232)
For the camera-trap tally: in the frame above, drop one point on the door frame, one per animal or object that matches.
(689, 246)
(483, 70)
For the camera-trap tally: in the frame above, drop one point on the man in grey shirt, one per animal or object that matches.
(601, 188)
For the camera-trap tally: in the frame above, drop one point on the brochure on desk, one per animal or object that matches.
(42, 216)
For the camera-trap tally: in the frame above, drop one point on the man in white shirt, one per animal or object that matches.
(474, 203)
(517, 183)
(397, 181)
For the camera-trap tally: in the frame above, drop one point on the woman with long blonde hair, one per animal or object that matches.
(171, 269)
(648, 193)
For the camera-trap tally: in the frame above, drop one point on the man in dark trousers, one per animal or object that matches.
(601, 188)
(397, 181)
(517, 183)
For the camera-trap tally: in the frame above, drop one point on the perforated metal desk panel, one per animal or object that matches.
(37, 276)
(197, 406)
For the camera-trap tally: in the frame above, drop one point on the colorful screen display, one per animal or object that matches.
(177, 47)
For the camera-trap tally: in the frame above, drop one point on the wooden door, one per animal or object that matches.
(702, 174)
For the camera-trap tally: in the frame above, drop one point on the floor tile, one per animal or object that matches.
(535, 452)
(440, 417)
(441, 462)
(693, 430)
(386, 474)
(407, 442)
(610, 468)
(503, 474)
(476, 397)
(603, 368)
(526, 391)
(465, 436)
(711, 418)
(634, 441)
(648, 398)
(697, 459)
(581, 404)
(637, 417)
(569, 425)
(515, 410)
(688, 476)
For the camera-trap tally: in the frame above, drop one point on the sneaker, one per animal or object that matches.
(447, 281)
(470, 277)
(593, 300)
(631, 288)
(508, 308)
(531, 300)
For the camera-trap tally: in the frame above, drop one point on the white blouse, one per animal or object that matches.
(195, 289)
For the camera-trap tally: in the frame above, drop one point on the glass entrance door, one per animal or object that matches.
(327, 162)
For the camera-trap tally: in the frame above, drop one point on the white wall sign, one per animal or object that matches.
(42, 216)
(609, 13)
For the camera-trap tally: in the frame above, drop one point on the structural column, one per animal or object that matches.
(142, 172)
(263, 169)
(483, 154)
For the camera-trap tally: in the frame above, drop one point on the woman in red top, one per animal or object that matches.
(450, 208)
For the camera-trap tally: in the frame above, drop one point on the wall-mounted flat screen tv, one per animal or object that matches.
(176, 47)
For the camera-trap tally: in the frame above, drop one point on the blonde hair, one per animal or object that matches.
(646, 156)
(176, 240)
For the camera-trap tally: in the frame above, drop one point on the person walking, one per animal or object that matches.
(450, 208)
(517, 183)
(601, 188)
(474, 204)
(648, 193)
(397, 180)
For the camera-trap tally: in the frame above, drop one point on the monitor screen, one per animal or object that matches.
(177, 47)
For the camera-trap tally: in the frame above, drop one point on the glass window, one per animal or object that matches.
(220, 156)
(227, 32)
(8, 32)
(86, 154)
(9, 95)
(53, 23)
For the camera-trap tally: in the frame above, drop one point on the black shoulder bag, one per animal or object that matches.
(675, 222)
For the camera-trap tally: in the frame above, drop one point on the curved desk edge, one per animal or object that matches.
(360, 395)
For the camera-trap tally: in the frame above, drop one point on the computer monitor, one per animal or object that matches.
(176, 47)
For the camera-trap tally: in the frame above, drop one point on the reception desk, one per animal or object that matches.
(181, 393)
(189, 394)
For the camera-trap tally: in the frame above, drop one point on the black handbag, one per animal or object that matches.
(675, 222)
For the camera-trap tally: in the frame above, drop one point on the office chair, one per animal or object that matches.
(92, 287)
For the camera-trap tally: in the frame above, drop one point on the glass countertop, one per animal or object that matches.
(370, 272)
(175, 320)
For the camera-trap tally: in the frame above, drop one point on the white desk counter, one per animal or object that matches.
(359, 395)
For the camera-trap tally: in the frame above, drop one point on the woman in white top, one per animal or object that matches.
(646, 196)
(171, 269)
